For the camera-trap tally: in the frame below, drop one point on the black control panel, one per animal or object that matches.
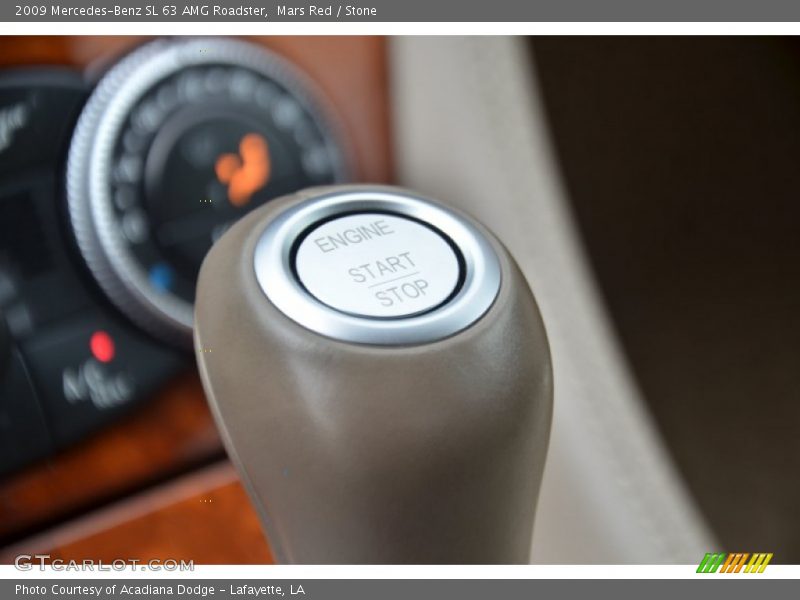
(111, 192)
(70, 362)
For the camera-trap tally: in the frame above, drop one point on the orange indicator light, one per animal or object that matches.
(246, 172)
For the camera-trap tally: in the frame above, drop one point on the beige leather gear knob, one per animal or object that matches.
(380, 373)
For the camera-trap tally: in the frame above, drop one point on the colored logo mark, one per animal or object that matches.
(721, 562)
(247, 172)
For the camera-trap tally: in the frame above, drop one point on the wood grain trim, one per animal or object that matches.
(166, 436)
(204, 517)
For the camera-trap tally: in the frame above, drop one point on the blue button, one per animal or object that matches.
(161, 277)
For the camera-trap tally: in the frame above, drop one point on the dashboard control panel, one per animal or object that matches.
(111, 192)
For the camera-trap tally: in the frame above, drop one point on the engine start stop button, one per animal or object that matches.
(377, 265)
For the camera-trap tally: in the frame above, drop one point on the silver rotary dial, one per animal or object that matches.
(179, 140)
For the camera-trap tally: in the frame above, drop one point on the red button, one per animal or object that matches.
(102, 346)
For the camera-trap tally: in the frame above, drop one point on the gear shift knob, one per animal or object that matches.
(380, 373)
